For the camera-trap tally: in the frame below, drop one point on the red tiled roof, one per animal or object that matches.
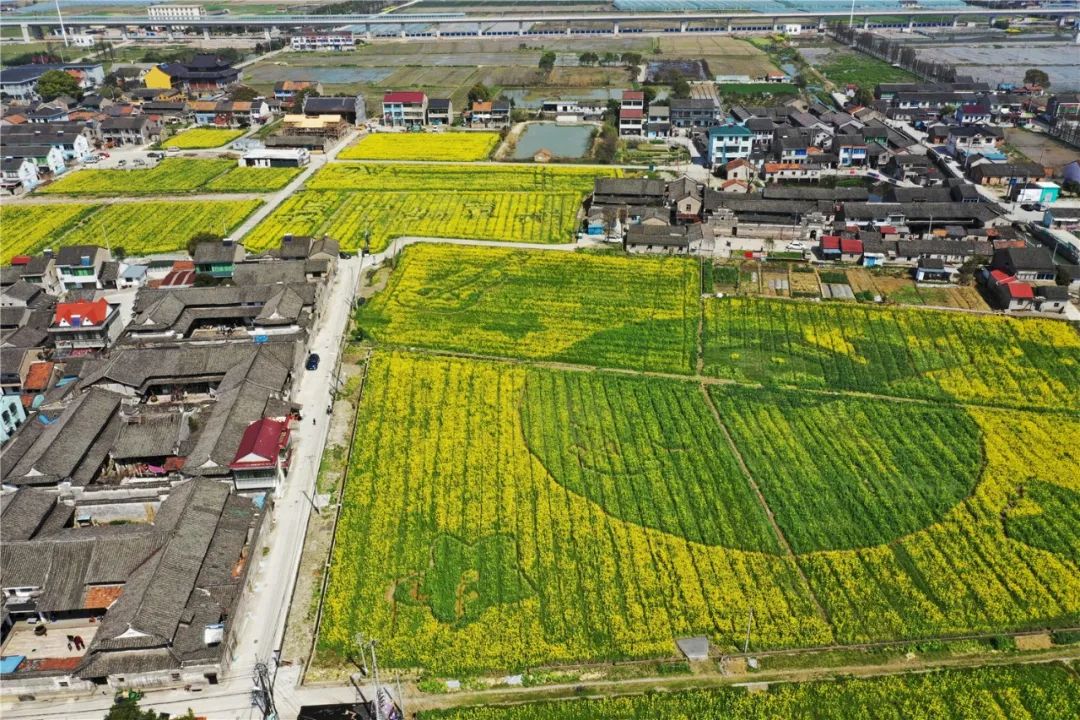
(38, 376)
(102, 596)
(20, 260)
(830, 242)
(1020, 291)
(74, 314)
(887, 230)
(404, 96)
(630, 113)
(261, 443)
(1001, 277)
(851, 246)
(633, 95)
(178, 279)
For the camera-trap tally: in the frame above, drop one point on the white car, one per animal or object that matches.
(796, 245)
(92, 160)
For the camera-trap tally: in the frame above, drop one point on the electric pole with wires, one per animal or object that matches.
(262, 695)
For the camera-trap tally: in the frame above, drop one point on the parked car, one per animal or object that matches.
(312, 361)
(155, 154)
(796, 245)
(121, 163)
(92, 160)
(1033, 207)
(104, 154)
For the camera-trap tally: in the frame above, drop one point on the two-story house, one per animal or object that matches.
(404, 109)
(130, 130)
(78, 267)
(694, 112)
(17, 175)
(85, 325)
(727, 143)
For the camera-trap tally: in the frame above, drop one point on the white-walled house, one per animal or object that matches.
(18, 175)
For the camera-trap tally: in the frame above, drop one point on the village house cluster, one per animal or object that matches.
(148, 409)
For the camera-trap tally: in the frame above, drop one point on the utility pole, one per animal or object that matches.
(262, 695)
(749, 622)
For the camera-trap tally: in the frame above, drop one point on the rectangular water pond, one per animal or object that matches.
(562, 141)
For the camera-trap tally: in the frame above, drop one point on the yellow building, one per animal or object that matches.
(158, 79)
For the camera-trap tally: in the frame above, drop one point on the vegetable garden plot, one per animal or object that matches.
(456, 178)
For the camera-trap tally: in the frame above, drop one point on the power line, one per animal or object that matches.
(262, 695)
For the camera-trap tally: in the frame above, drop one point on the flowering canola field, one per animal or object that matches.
(449, 146)
(351, 202)
(25, 229)
(173, 176)
(904, 352)
(499, 516)
(1019, 692)
(637, 313)
(138, 227)
(202, 138)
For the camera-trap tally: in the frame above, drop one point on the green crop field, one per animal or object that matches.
(904, 352)
(610, 311)
(855, 68)
(1022, 692)
(139, 227)
(173, 176)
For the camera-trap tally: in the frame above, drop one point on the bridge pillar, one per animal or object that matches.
(730, 26)
(682, 26)
(479, 31)
(437, 31)
(866, 23)
(521, 27)
(567, 29)
(206, 33)
(911, 25)
(25, 32)
(615, 28)
(776, 25)
(266, 33)
(992, 21)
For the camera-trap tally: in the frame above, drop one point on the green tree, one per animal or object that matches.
(588, 58)
(201, 237)
(547, 61)
(632, 58)
(650, 94)
(243, 93)
(479, 93)
(609, 58)
(1035, 76)
(680, 88)
(126, 707)
(55, 83)
(863, 96)
(301, 95)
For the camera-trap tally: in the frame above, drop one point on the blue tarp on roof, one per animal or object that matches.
(10, 663)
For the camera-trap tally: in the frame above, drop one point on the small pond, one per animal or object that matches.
(562, 141)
